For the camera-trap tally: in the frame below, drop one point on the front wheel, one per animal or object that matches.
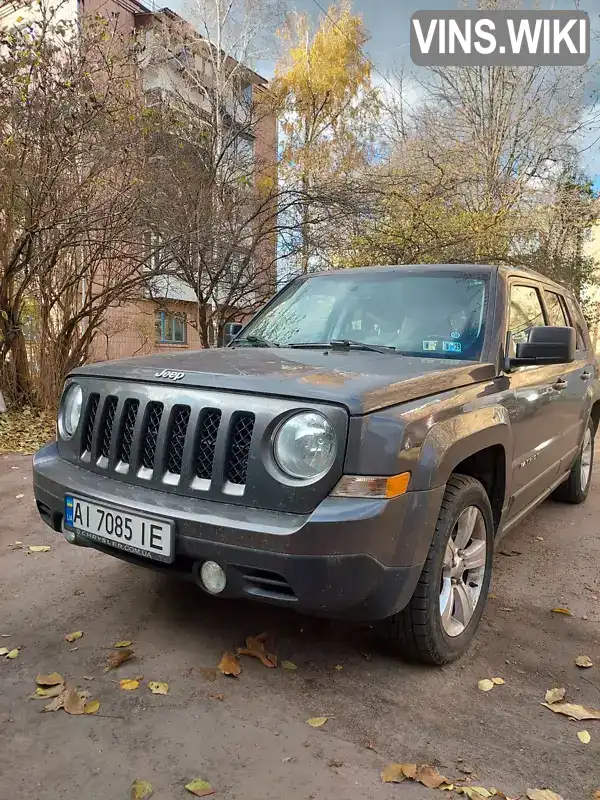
(440, 620)
(577, 486)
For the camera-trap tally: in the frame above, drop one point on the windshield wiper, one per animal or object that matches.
(257, 341)
(345, 344)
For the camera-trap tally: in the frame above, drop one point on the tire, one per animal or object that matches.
(576, 487)
(418, 631)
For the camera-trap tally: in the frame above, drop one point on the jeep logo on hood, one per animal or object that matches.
(170, 375)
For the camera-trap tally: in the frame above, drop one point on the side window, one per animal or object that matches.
(579, 324)
(525, 312)
(556, 313)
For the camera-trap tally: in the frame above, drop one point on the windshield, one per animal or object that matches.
(436, 315)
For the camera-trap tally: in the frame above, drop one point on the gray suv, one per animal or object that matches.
(357, 451)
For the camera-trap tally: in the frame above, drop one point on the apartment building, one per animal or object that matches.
(162, 318)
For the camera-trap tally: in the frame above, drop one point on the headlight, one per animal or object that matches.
(305, 446)
(71, 410)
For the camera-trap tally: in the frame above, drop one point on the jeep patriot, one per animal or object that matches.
(357, 450)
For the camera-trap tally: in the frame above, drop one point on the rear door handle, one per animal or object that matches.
(586, 376)
(560, 385)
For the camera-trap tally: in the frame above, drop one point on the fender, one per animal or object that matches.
(451, 441)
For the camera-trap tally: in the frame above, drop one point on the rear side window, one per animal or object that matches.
(556, 313)
(579, 324)
(525, 312)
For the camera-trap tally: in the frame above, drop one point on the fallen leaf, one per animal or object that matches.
(88, 678)
(473, 792)
(429, 776)
(39, 548)
(158, 687)
(53, 679)
(287, 759)
(13, 653)
(74, 701)
(555, 695)
(584, 737)
(19, 496)
(317, 722)
(485, 685)
(574, 711)
(4, 651)
(129, 684)
(72, 637)
(125, 643)
(220, 697)
(289, 665)
(339, 667)
(200, 787)
(410, 770)
(393, 773)
(255, 647)
(116, 659)
(46, 694)
(230, 665)
(91, 707)
(564, 611)
(596, 795)
(584, 661)
(208, 673)
(141, 790)
(542, 794)
(498, 681)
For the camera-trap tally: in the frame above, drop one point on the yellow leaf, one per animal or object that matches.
(584, 661)
(485, 685)
(13, 653)
(199, 787)
(473, 792)
(51, 691)
(584, 737)
(92, 707)
(542, 794)
(72, 637)
(317, 722)
(129, 684)
(141, 790)
(54, 679)
(574, 711)
(230, 665)
(393, 773)
(4, 651)
(255, 647)
(429, 776)
(289, 665)
(339, 667)
(554, 695)
(125, 643)
(157, 687)
(564, 611)
(498, 681)
(39, 548)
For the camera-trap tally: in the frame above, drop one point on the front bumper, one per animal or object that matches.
(351, 558)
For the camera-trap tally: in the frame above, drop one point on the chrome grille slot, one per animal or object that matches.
(176, 439)
(108, 420)
(239, 448)
(130, 412)
(154, 413)
(206, 442)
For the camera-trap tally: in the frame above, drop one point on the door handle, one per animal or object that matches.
(586, 376)
(560, 385)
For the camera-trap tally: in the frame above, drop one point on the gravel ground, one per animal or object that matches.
(254, 743)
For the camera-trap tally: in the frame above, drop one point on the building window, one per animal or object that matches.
(170, 328)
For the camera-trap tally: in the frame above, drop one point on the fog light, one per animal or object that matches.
(213, 577)
(70, 536)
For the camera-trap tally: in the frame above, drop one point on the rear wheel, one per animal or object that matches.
(577, 486)
(440, 621)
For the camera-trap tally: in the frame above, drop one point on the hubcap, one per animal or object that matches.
(463, 571)
(586, 458)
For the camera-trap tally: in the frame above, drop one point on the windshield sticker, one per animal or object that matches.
(430, 344)
(452, 347)
(455, 334)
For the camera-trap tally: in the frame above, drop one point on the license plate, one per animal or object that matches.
(142, 536)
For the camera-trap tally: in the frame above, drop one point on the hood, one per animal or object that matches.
(362, 381)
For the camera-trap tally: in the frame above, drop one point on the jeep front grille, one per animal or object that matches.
(166, 437)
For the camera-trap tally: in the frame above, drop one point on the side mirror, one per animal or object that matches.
(230, 331)
(546, 345)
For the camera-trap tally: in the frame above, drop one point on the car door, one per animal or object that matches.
(584, 373)
(571, 402)
(535, 411)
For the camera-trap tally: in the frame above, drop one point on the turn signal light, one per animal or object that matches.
(369, 486)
